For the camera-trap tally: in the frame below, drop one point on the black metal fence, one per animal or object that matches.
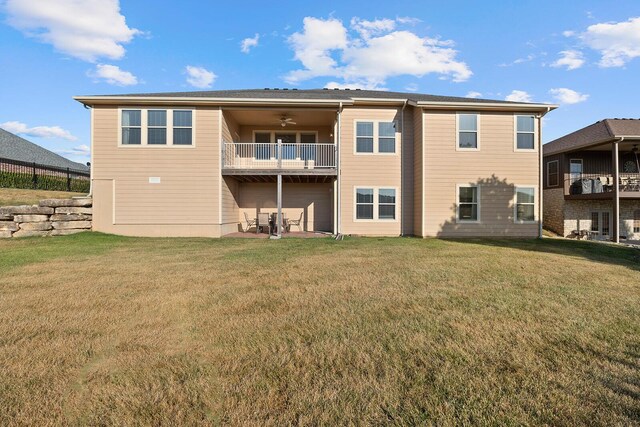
(17, 174)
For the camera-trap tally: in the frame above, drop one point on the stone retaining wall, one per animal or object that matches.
(51, 217)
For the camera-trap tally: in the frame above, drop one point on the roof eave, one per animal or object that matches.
(162, 100)
(589, 144)
(543, 108)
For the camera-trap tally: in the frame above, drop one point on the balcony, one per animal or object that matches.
(598, 186)
(244, 158)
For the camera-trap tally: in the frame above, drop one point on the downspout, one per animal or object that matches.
(540, 173)
(402, 167)
(339, 195)
(91, 153)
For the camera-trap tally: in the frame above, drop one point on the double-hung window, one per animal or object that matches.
(468, 203)
(525, 133)
(157, 127)
(375, 137)
(131, 127)
(525, 205)
(182, 127)
(364, 203)
(376, 203)
(468, 132)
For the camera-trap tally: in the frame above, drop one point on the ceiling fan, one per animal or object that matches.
(284, 121)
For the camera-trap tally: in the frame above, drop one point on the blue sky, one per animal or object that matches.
(584, 55)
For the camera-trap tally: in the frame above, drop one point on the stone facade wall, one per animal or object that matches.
(553, 210)
(581, 210)
(51, 217)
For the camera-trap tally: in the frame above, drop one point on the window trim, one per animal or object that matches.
(468, 113)
(636, 221)
(557, 162)
(376, 203)
(478, 204)
(535, 134)
(536, 196)
(144, 128)
(376, 137)
(581, 170)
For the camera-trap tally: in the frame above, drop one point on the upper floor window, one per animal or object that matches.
(468, 203)
(552, 173)
(375, 137)
(525, 133)
(467, 131)
(156, 127)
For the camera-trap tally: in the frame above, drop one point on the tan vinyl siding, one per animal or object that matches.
(187, 197)
(367, 170)
(496, 168)
(315, 201)
(418, 172)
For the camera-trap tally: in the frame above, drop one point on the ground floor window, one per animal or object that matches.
(525, 206)
(636, 221)
(375, 203)
(468, 203)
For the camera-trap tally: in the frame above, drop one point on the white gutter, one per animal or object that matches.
(540, 174)
(481, 105)
(90, 100)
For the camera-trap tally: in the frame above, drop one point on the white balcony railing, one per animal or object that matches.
(289, 156)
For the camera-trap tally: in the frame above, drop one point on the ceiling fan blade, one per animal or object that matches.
(289, 122)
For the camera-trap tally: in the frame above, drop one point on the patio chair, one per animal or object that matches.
(250, 222)
(296, 222)
(263, 221)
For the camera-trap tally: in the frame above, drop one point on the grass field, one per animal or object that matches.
(19, 196)
(99, 330)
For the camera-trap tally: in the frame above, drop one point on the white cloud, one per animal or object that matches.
(568, 96)
(37, 131)
(617, 42)
(113, 75)
(411, 87)
(572, 59)
(84, 29)
(473, 94)
(249, 42)
(528, 58)
(408, 20)
(363, 84)
(568, 33)
(366, 29)
(519, 96)
(373, 52)
(199, 77)
(82, 150)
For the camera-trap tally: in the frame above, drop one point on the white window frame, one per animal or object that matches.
(165, 127)
(467, 113)
(535, 134)
(376, 137)
(535, 204)
(581, 161)
(272, 139)
(478, 204)
(144, 126)
(557, 162)
(376, 203)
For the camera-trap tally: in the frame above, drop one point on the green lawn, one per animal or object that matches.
(19, 196)
(98, 329)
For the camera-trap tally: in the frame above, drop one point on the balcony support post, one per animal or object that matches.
(616, 191)
(279, 219)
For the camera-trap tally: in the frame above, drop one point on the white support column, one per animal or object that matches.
(616, 192)
(279, 219)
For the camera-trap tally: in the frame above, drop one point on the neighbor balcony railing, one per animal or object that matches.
(601, 183)
(245, 155)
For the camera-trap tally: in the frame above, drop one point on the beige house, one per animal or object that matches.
(585, 195)
(344, 161)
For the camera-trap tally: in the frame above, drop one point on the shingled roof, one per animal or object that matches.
(599, 132)
(312, 94)
(15, 148)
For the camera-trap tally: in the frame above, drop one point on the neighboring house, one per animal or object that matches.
(584, 194)
(351, 161)
(13, 147)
